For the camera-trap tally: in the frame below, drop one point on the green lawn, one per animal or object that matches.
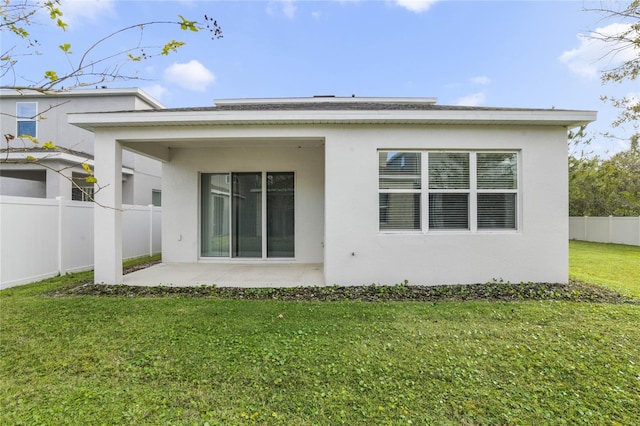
(612, 265)
(105, 360)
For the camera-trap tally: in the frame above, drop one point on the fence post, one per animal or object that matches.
(61, 226)
(610, 230)
(586, 228)
(150, 229)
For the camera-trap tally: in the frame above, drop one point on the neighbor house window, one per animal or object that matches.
(83, 193)
(26, 114)
(433, 191)
(156, 197)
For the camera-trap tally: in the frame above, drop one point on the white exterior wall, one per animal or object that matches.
(358, 253)
(337, 198)
(147, 178)
(181, 195)
(23, 187)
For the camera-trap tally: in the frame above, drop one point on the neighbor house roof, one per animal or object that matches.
(81, 93)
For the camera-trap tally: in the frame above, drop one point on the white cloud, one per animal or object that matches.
(480, 80)
(417, 6)
(474, 99)
(78, 11)
(287, 7)
(156, 91)
(191, 76)
(593, 55)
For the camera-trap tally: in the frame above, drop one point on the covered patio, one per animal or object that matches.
(258, 275)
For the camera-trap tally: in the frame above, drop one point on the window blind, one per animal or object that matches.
(497, 211)
(497, 184)
(448, 211)
(454, 182)
(497, 171)
(448, 170)
(400, 184)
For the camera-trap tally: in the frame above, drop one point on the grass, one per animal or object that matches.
(196, 361)
(611, 265)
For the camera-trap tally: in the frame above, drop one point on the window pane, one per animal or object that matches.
(448, 211)
(399, 211)
(26, 110)
(247, 214)
(399, 170)
(156, 197)
(496, 211)
(216, 189)
(448, 170)
(497, 171)
(27, 128)
(280, 215)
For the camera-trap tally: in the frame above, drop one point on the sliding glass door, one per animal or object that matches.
(280, 215)
(246, 226)
(216, 211)
(234, 217)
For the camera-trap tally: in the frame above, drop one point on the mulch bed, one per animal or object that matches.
(497, 291)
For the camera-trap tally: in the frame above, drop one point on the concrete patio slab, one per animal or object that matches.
(228, 275)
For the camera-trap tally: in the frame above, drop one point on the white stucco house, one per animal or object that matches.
(376, 190)
(44, 116)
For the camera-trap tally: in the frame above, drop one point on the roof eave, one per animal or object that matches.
(566, 118)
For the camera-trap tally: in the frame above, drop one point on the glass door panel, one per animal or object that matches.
(216, 207)
(246, 212)
(280, 215)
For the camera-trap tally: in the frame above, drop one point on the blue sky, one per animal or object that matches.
(501, 53)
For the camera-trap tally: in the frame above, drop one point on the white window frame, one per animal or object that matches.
(20, 118)
(414, 191)
(473, 192)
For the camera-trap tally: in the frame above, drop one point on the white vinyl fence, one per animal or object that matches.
(41, 238)
(618, 230)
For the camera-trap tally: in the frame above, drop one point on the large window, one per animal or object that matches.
(240, 209)
(27, 115)
(431, 191)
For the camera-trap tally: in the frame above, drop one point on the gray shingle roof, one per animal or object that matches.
(342, 106)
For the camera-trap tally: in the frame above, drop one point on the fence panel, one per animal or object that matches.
(135, 231)
(617, 230)
(28, 239)
(41, 238)
(156, 230)
(77, 236)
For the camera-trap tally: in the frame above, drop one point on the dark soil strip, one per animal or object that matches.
(574, 291)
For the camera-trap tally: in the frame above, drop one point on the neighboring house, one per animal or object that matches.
(51, 175)
(378, 190)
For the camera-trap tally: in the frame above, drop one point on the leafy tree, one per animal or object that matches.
(603, 187)
(96, 65)
(626, 39)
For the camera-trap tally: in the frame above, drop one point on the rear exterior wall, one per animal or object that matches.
(358, 253)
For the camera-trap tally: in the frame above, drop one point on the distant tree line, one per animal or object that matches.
(604, 187)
